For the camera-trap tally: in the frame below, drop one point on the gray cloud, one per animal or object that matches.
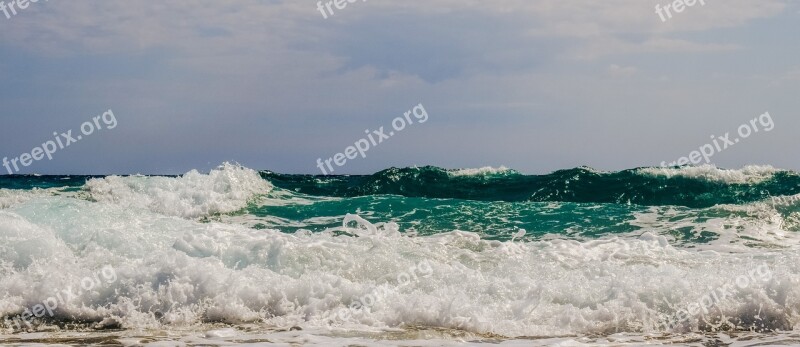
(533, 85)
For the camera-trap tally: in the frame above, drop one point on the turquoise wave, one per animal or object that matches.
(579, 185)
(579, 202)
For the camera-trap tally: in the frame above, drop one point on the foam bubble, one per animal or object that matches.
(484, 171)
(11, 197)
(175, 272)
(225, 189)
(748, 174)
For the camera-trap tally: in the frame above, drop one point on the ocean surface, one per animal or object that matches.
(407, 256)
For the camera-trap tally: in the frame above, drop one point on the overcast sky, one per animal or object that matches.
(534, 85)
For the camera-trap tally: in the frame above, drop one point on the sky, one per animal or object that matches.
(533, 85)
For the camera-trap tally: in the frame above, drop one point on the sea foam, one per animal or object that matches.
(748, 174)
(176, 272)
(183, 273)
(225, 189)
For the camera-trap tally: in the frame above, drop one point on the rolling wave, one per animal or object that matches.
(694, 187)
(600, 253)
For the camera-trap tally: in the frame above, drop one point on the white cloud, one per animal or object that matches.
(621, 71)
(111, 25)
(792, 75)
(614, 46)
(276, 63)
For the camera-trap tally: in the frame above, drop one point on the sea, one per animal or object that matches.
(418, 256)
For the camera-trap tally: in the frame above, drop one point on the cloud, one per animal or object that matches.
(101, 26)
(619, 71)
(288, 83)
(617, 47)
(792, 75)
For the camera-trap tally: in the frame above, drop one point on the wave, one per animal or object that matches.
(10, 198)
(702, 186)
(484, 171)
(180, 256)
(223, 190)
(751, 174)
(27, 182)
(174, 272)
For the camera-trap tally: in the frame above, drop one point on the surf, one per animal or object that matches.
(241, 247)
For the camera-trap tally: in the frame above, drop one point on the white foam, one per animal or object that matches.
(11, 197)
(225, 189)
(721, 228)
(176, 272)
(487, 170)
(748, 174)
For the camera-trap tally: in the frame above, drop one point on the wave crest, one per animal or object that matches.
(747, 175)
(225, 189)
(702, 186)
